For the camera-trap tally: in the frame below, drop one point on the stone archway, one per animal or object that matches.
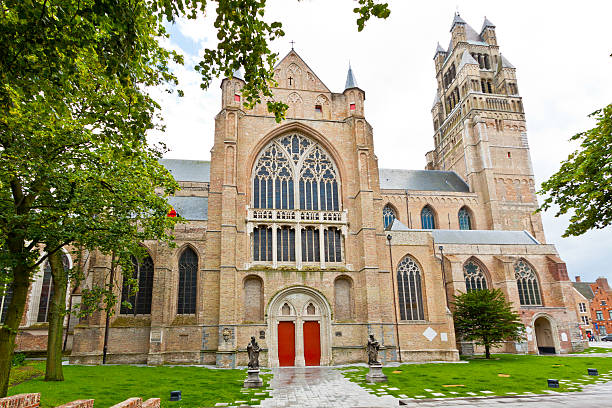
(545, 333)
(303, 310)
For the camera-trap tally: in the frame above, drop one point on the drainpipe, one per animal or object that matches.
(399, 349)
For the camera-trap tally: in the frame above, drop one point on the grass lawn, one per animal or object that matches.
(109, 385)
(593, 350)
(504, 374)
(28, 371)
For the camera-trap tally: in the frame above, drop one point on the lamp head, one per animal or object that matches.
(389, 237)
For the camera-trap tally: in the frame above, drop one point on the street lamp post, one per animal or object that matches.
(441, 248)
(399, 349)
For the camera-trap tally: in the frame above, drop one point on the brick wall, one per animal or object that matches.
(21, 401)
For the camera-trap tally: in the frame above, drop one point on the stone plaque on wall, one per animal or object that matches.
(155, 336)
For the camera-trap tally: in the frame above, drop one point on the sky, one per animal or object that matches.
(561, 51)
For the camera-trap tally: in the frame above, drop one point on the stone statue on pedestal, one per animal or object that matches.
(253, 350)
(372, 348)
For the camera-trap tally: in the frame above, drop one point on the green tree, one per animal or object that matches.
(484, 316)
(583, 184)
(75, 167)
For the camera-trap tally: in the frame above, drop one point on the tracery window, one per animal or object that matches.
(527, 282)
(388, 216)
(465, 222)
(427, 218)
(333, 245)
(285, 244)
(474, 277)
(46, 292)
(410, 290)
(310, 245)
(262, 243)
(140, 302)
(6, 294)
(188, 278)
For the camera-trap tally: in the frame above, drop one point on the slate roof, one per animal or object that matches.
(188, 170)
(485, 237)
(436, 100)
(439, 50)
(351, 82)
(505, 63)
(190, 208)
(584, 288)
(421, 180)
(457, 20)
(486, 24)
(238, 74)
(466, 58)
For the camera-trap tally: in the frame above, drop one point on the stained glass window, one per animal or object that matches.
(140, 302)
(527, 282)
(285, 244)
(46, 291)
(409, 290)
(262, 243)
(310, 245)
(333, 245)
(388, 216)
(474, 277)
(427, 218)
(188, 278)
(465, 223)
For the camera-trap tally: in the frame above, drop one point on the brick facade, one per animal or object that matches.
(239, 296)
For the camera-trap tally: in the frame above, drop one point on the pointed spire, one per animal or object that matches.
(351, 82)
(439, 50)
(466, 59)
(457, 20)
(436, 101)
(487, 24)
(238, 74)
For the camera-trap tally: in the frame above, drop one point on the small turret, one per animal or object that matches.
(231, 90)
(457, 30)
(439, 57)
(488, 32)
(354, 95)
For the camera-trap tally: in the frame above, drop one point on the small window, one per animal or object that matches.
(318, 109)
(603, 303)
(509, 155)
(236, 98)
(599, 314)
(353, 106)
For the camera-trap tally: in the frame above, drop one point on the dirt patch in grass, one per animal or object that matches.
(26, 372)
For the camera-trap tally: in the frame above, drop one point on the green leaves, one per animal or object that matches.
(485, 317)
(368, 9)
(583, 184)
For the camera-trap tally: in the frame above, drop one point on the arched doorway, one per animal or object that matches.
(545, 338)
(299, 323)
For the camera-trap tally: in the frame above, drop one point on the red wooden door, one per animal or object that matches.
(286, 344)
(312, 343)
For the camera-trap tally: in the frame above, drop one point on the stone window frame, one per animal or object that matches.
(146, 309)
(406, 284)
(180, 255)
(389, 215)
(527, 280)
(483, 276)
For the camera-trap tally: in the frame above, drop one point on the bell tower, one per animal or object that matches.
(480, 129)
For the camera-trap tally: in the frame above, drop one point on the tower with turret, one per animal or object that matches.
(480, 129)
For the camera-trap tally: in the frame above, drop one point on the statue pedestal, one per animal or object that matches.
(253, 380)
(376, 375)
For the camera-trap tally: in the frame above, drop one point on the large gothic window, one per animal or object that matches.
(527, 282)
(465, 222)
(290, 161)
(388, 216)
(333, 245)
(310, 245)
(6, 294)
(474, 277)
(262, 243)
(427, 218)
(188, 278)
(46, 292)
(409, 290)
(140, 301)
(285, 244)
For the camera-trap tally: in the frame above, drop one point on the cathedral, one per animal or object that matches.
(294, 235)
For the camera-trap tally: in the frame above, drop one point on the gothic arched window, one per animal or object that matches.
(474, 277)
(6, 294)
(409, 290)
(290, 161)
(140, 302)
(427, 218)
(46, 291)
(388, 216)
(465, 222)
(527, 282)
(188, 279)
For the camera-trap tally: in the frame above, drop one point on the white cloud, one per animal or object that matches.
(561, 51)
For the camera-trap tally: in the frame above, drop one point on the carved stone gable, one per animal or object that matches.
(293, 73)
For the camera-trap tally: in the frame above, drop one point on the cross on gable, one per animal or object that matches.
(292, 43)
(290, 79)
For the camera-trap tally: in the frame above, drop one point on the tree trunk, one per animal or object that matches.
(57, 310)
(8, 331)
(487, 351)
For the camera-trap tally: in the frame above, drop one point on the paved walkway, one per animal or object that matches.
(593, 396)
(319, 387)
(327, 387)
